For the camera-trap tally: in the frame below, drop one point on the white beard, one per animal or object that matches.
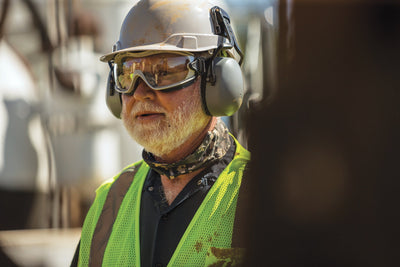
(167, 134)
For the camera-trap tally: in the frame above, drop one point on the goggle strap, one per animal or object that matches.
(203, 82)
(198, 65)
(111, 79)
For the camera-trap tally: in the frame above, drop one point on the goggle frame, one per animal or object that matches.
(195, 67)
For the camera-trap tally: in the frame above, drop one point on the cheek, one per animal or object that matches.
(190, 94)
(127, 102)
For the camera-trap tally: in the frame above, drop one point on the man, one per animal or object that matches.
(174, 71)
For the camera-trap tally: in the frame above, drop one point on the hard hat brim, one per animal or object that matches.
(176, 42)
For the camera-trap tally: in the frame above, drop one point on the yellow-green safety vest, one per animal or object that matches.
(110, 233)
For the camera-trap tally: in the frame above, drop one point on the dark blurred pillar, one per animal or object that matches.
(15, 208)
(5, 261)
(324, 176)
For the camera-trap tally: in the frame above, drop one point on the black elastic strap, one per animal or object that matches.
(203, 85)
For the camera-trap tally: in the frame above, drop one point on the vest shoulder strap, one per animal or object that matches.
(109, 213)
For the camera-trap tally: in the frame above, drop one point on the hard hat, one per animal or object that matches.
(170, 25)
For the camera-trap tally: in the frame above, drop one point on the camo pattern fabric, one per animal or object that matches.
(214, 146)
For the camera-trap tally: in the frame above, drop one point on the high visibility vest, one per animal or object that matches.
(110, 234)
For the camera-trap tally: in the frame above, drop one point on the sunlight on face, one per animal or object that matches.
(167, 134)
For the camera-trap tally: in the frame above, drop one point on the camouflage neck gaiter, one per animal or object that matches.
(214, 146)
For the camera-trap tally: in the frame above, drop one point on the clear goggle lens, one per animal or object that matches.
(159, 71)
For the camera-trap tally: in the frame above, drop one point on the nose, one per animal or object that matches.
(143, 91)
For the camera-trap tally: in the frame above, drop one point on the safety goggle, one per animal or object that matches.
(159, 71)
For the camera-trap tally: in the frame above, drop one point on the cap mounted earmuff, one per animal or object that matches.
(144, 52)
(223, 92)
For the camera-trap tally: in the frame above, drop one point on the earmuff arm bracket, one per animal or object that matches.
(222, 27)
(212, 77)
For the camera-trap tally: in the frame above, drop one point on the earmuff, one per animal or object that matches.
(113, 98)
(222, 85)
(223, 92)
(223, 95)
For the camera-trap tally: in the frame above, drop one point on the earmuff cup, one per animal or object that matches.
(225, 97)
(113, 98)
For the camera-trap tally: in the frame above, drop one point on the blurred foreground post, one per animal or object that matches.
(325, 153)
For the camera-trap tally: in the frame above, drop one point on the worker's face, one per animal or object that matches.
(162, 121)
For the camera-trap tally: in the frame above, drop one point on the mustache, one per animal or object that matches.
(146, 106)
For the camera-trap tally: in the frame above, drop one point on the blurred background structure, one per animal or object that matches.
(58, 141)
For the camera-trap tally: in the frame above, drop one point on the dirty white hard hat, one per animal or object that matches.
(169, 25)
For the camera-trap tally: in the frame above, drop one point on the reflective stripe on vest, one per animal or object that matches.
(92, 222)
(108, 215)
